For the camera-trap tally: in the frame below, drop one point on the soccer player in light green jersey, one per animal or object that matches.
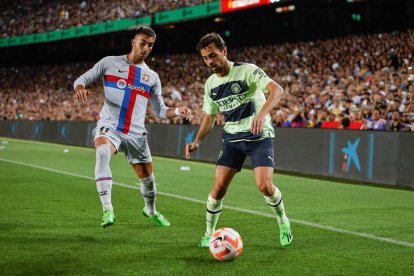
(238, 91)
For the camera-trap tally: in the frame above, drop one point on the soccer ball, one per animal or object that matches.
(225, 244)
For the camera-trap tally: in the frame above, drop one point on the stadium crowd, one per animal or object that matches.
(356, 82)
(20, 17)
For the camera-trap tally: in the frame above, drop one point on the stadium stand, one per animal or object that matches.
(324, 84)
(22, 17)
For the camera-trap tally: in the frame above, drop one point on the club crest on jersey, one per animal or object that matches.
(235, 88)
(145, 77)
(121, 84)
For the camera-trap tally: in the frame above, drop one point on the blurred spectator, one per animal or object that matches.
(20, 17)
(412, 124)
(375, 122)
(396, 124)
(345, 123)
(364, 86)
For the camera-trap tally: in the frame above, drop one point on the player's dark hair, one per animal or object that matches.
(145, 30)
(211, 38)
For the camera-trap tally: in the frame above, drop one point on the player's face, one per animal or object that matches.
(215, 58)
(142, 45)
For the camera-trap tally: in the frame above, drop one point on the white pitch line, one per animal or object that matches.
(311, 224)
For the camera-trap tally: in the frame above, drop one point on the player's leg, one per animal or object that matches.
(139, 156)
(228, 164)
(273, 197)
(149, 193)
(103, 176)
(222, 180)
(262, 161)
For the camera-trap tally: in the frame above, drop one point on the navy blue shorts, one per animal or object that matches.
(261, 154)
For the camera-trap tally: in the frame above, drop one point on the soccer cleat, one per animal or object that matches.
(158, 218)
(286, 236)
(205, 241)
(108, 218)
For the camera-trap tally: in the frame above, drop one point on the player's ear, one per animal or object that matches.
(132, 42)
(225, 51)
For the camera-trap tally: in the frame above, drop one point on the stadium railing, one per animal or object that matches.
(164, 17)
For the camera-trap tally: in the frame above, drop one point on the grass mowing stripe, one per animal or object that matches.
(314, 225)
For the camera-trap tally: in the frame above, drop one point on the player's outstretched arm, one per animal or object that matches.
(207, 125)
(81, 93)
(184, 112)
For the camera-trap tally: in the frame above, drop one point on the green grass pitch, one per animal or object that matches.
(50, 221)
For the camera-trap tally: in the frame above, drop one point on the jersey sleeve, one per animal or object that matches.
(90, 76)
(258, 77)
(209, 106)
(157, 101)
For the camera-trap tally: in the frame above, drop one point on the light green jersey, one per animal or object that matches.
(239, 96)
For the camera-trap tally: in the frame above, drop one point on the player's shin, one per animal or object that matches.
(103, 176)
(149, 193)
(275, 202)
(214, 207)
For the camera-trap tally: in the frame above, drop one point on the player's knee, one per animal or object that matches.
(148, 181)
(266, 187)
(218, 191)
(103, 154)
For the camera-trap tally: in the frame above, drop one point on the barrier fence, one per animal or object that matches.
(367, 156)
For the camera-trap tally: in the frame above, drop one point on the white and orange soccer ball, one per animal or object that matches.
(225, 244)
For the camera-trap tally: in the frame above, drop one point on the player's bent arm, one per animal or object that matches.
(276, 93)
(206, 126)
(89, 77)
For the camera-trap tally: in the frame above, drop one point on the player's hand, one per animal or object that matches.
(81, 93)
(185, 112)
(257, 124)
(189, 148)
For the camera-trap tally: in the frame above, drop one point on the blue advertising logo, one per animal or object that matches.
(13, 129)
(38, 131)
(359, 153)
(351, 155)
(189, 137)
(63, 132)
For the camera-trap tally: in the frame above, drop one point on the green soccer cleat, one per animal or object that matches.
(158, 218)
(205, 241)
(286, 236)
(108, 218)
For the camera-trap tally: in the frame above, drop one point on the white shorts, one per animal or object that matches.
(136, 149)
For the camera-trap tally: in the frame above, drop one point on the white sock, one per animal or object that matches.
(103, 175)
(149, 193)
(276, 204)
(214, 207)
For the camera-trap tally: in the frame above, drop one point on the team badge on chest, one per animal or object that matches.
(145, 77)
(235, 88)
